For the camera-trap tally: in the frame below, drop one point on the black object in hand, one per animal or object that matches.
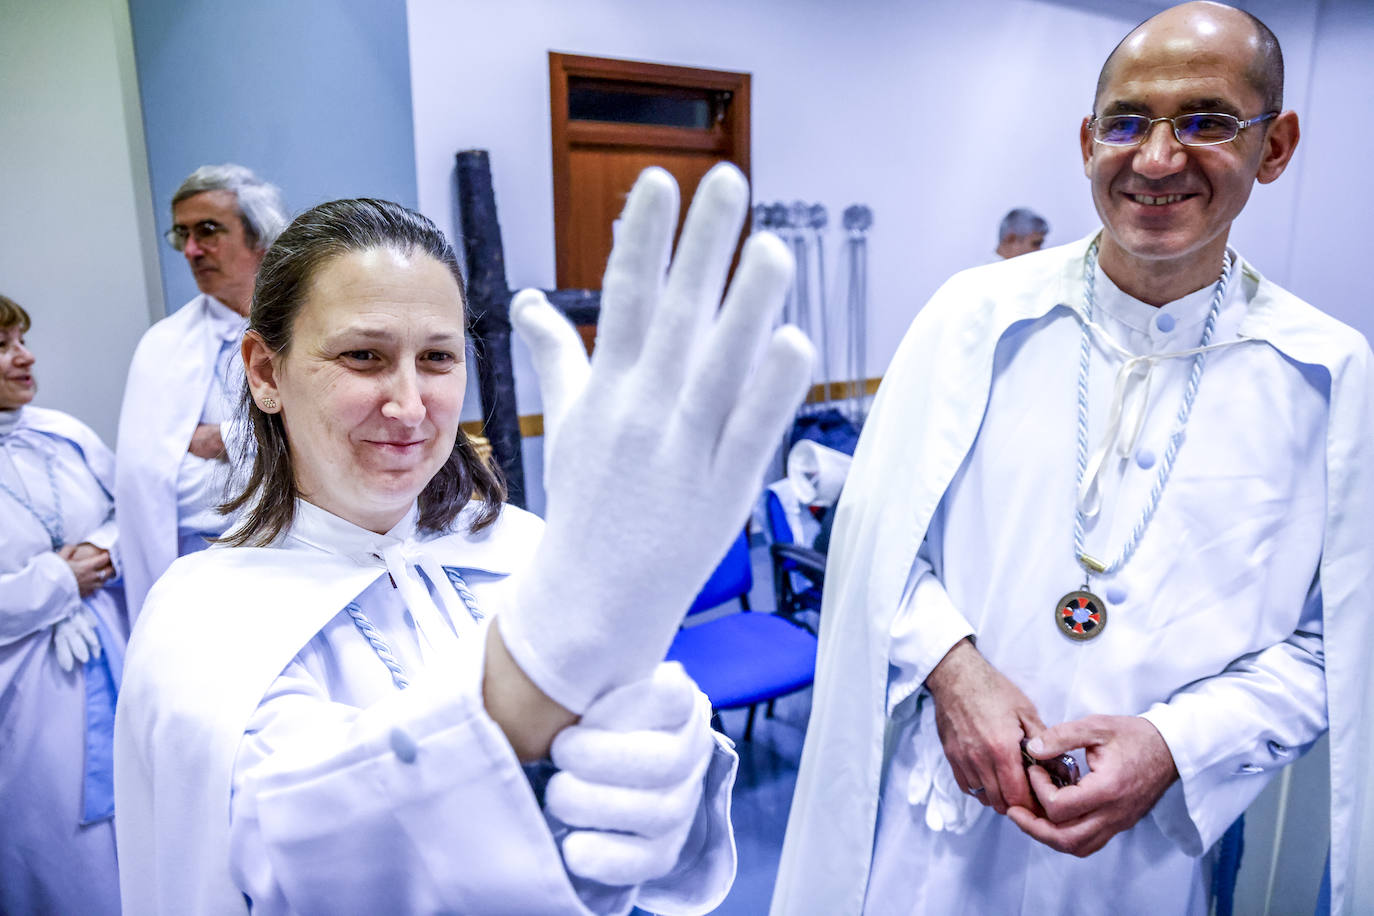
(1063, 769)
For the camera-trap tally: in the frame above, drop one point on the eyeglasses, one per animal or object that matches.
(1205, 128)
(206, 233)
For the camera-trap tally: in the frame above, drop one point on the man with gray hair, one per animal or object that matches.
(1021, 232)
(186, 374)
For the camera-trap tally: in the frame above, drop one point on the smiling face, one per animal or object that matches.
(17, 383)
(225, 265)
(1168, 208)
(371, 387)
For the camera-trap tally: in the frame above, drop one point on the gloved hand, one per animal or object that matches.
(658, 449)
(74, 639)
(630, 778)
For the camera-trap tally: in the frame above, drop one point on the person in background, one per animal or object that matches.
(62, 636)
(186, 372)
(1116, 501)
(1021, 231)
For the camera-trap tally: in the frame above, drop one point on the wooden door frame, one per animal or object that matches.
(731, 137)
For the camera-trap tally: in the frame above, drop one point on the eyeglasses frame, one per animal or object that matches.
(178, 239)
(1173, 123)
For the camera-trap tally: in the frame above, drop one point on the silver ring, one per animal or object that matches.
(978, 791)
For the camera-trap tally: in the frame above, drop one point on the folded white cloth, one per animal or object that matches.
(932, 781)
(74, 639)
(817, 473)
(802, 524)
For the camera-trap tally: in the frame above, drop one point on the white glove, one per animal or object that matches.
(631, 776)
(659, 448)
(74, 639)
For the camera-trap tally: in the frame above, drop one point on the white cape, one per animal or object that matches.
(57, 842)
(924, 421)
(219, 629)
(169, 376)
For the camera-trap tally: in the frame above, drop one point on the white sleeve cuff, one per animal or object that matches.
(104, 537)
(706, 867)
(1205, 801)
(43, 592)
(925, 628)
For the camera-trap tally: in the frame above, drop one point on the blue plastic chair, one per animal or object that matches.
(791, 560)
(745, 658)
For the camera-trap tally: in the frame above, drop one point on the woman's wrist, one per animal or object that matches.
(527, 715)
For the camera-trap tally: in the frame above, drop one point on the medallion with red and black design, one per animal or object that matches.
(1081, 615)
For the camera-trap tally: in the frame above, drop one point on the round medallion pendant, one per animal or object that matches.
(1081, 615)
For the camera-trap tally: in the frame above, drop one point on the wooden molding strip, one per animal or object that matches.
(839, 391)
(532, 425)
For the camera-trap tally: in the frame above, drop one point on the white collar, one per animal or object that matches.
(1188, 312)
(9, 421)
(1131, 390)
(226, 323)
(423, 582)
(314, 528)
(319, 529)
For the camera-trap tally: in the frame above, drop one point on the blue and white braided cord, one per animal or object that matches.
(1166, 465)
(51, 524)
(460, 585)
(378, 643)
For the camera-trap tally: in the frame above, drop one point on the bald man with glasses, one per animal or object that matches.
(1102, 566)
(186, 375)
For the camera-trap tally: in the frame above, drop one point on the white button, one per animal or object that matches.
(404, 746)
(1145, 459)
(1165, 322)
(1116, 594)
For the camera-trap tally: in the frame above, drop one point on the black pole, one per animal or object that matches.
(489, 316)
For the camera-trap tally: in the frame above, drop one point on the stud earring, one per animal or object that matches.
(269, 404)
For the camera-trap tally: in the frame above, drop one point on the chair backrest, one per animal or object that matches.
(732, 579)
(778, 527)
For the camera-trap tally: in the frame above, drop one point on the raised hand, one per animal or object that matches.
(659, 446)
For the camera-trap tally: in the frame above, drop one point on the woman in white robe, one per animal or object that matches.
(62, 635)
(323, 716)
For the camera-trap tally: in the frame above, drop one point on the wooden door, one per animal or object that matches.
(611, 119)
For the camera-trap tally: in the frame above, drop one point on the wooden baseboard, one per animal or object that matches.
(839, 391)
(532, 425)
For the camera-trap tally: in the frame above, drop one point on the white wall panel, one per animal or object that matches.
(76, 241)
(939, 116)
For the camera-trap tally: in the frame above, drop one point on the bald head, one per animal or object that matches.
(1200, 20)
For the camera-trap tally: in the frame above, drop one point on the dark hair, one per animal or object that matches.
(1021, 221)
(1264, 74)
(313, 240)
(12, 315)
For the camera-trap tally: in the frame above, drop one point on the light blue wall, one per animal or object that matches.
(314, 95)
